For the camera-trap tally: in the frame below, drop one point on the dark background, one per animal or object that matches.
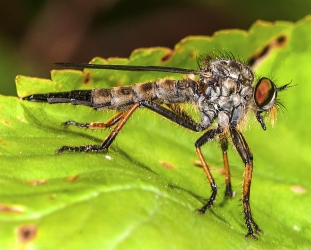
(35, 34)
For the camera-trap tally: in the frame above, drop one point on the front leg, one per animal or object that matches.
(247, 157)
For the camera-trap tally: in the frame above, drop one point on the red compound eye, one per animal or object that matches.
(265, 94)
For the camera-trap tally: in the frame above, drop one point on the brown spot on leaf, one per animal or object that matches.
(86, 78)
(72, 178)
(37, 182)
(3, 142)
(4, 208)
(199, 165)
(192, 55)
(52, 196)
(167, 164)
(167, 57)
(221, 171)
(27, 233)
(298, 189)
(6, 122)
(263, 52)
(281, 40)
(260, 55)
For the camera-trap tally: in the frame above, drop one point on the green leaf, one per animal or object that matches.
(142, 193)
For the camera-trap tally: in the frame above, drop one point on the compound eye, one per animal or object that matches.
(265, 94)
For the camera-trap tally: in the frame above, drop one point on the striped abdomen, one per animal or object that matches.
(161, 91)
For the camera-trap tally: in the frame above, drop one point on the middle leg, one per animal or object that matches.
(224, 148)
(206, 137)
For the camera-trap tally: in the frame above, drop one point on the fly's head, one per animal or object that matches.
(265, 99)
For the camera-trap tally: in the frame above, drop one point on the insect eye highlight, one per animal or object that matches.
(265, 94)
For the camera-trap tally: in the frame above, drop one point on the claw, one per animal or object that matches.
(80, 125)
(252, 235)
(200, 211)
(87, 148)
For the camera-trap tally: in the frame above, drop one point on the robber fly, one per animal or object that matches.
(223, 91)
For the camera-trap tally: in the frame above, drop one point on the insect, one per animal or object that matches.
(224, 91)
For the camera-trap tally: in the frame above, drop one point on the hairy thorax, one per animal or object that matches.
(226, 94)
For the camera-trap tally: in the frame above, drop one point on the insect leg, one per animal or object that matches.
(247, 157)
(122, 119)
(176, 108)
(109, 139)
(206, 137)
(224, 148)
(97, 125)
(185, 121)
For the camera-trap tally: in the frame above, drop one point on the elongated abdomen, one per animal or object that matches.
(161, 91)
(119, 98)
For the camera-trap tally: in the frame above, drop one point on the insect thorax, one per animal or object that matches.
(226, 94)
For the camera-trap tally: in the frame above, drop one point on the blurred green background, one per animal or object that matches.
(35, 34)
